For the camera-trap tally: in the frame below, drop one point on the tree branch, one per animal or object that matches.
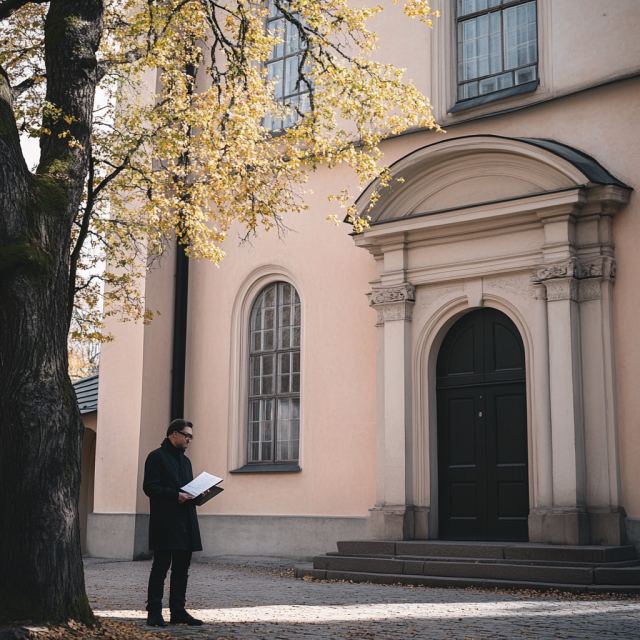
(27, 84)
(9, 7)
(77, 249)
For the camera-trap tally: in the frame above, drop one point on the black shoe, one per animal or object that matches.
(155, 620)
(182, 617)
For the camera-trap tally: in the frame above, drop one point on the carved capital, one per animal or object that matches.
(399, 293)
(562, 289)
(393, 303)
(590, 289)
(394, 311)
(602, 267)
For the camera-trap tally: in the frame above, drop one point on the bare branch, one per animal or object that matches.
(27, 84)
(77, 249)
(9, 7)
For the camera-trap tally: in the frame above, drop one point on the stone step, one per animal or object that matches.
(461, 583)
(557, 563)
(593, 554)
(461, 569)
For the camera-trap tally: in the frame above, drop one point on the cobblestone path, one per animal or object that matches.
(241, 602)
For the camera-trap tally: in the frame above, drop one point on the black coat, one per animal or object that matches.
(172, 524)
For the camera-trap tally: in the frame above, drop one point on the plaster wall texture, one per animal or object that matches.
(338, 366)
(155, 406)
(119, 400)
(338, 432)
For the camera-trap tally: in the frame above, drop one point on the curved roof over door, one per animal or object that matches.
(474, 170)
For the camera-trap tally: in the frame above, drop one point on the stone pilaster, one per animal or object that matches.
(392, 517)
(585, 482)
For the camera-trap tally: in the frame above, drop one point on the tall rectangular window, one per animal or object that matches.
(283, 68)
(274, 375)
(497, 45)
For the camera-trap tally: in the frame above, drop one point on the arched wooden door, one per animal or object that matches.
(482, 430)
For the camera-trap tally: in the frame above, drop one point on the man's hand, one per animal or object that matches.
(183, 497)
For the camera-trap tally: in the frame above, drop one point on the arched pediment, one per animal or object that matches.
(463, 172)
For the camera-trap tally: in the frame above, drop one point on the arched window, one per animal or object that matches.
(274, 375)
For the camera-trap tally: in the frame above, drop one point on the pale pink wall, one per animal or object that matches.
(119, 400)
(594, 41)
(156, 376)
(338, 380)
(338, 429)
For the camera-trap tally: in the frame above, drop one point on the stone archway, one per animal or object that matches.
(542, 245)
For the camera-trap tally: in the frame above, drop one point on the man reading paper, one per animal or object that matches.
(173, 524)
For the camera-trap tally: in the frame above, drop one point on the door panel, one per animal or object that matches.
(463, 495)
(482, 430)
(507, 468)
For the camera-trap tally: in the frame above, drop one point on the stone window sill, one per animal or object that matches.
(268, 468)
(497, 95)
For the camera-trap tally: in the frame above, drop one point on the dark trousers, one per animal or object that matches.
(179, 562)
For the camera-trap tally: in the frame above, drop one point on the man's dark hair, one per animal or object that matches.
(178, 425)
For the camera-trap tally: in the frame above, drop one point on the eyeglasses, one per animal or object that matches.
(188, 436)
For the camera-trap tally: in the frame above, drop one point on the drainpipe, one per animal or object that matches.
(181, 298)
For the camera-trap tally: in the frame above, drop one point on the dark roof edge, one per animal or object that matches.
(87, 379)
(590, 167)
(586, 163)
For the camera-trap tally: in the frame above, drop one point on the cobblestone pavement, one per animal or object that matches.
(259, 601)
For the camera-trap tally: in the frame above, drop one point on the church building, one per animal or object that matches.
(466, 369)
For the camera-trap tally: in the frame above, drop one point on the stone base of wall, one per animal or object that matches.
(633, 532)
(124, 535)
(121, 536)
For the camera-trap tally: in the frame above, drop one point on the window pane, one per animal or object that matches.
(291, 85)
(260, 430)
(293, 39)
(274, 72)
(256, 318)
(276, 28)
(469, 90)
(488, 85)
(270, 296)
(525, 75)
(520, 36)
(505, 81)
(288, 429)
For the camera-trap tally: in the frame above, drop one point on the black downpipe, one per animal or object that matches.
(181, 299)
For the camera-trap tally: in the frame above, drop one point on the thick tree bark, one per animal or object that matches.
(41, 575)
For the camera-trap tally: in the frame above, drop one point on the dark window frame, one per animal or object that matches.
(525, 87)
(291, 463)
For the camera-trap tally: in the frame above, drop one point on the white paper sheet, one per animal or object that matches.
(200, 484)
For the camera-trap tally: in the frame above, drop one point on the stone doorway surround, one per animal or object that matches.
(523, 226)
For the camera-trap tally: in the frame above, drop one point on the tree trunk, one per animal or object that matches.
(40, 424)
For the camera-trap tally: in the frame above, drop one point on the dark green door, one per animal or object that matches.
(483, 482)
